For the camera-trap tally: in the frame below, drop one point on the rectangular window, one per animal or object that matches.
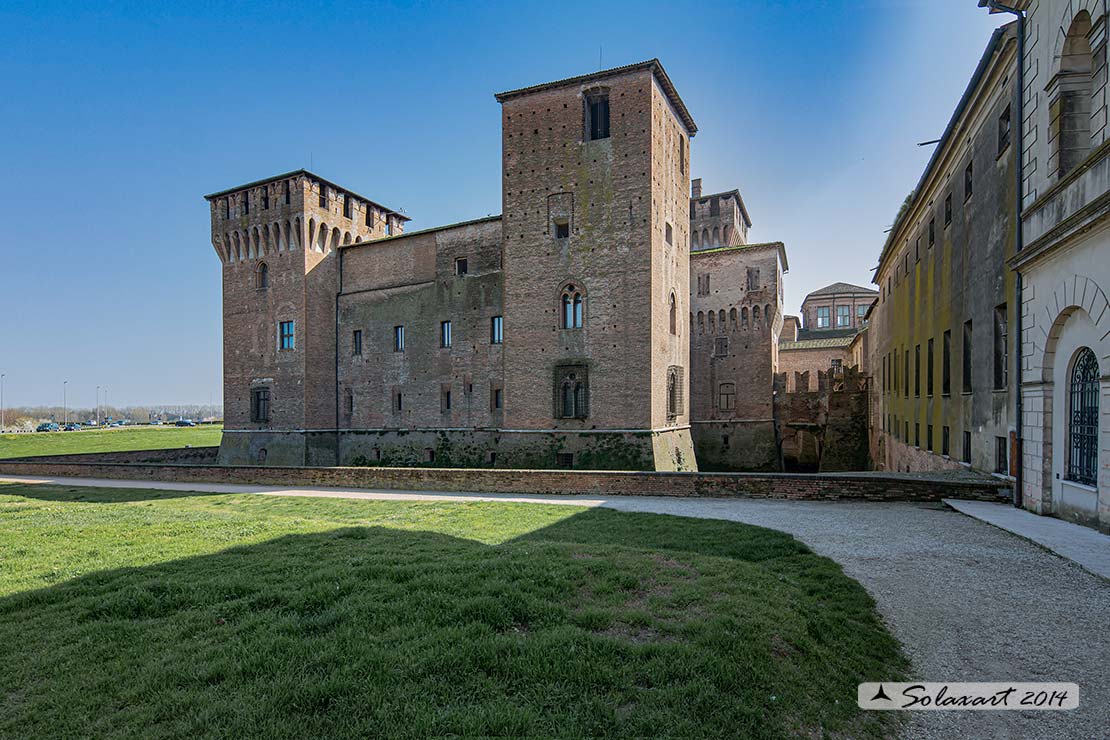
(496, 399)
(349, 403)
(823, 317)
(966, 359)
(323, 195)
(445, 334)
(968, 180)
(917, 371)
(837, 366)
(670, 234)
(948, 209)
(916, 434)
(720, 347)
(445, 398)
(246, 202)
(917, 249)
(388, 226)
(564, 460)
(932, 231)
(597, 114)
(288, 193)
(726, 397)
(1001, 455)
(1004, 130)
(945, 441)
(861, 313)
(906, 432)
(260, 404)
(946, 364)
(227, 208)
(398, 339)
(929, 370)
(906, 373)
(496, 330)
(398, 401)
(461, 265)
(562, 228)
(929, 437)
(895, 386)
(967, 447)
(265, 198)
(346, 206)
(681, 154)
(1001, 348)
(843, 316)
(356, 342)
(285, 334)
(369, 216)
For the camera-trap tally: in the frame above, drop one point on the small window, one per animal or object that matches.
(286, 335)
(461, 266)
(906, 373)
(369, 216)
(1004, 130)
(1001, 455)
(945, 441)
(946, 364)
(720, 347)
(562, 228)
(967, 358)
(346, 206)
(496, 399)
(726, 397)
(670, 234)
(929, 437)
(265, 198)
(398, 339)
(917, 371)
(349, 402)
(323, 195)
(262, 276)
(572, 301)
(837, 365)
(597, 115)
(967, 447)
(227, 208)
(948, 209)
(675, 391)
(246, 202)
(823, 317)
(843, 316)
(260, 405)
(398, 401)
(968, 180)
(674, 315)
(388, 226)
(564, 460)
(496, 330)
(861, 313)
(1001, 348)
(356, 342)
(929, 370)
(445, 398)
(445, 334)
(916, 434)
(288, 193)
(932, 231)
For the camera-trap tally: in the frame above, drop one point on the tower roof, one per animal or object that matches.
(654, 65)
(314, 176)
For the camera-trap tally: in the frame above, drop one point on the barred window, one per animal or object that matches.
(675, 393)
(572, 392)
(260, 404)
(726, 399)
(1083, 419)
(572, 300)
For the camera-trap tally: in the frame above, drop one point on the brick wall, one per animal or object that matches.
(825, 487)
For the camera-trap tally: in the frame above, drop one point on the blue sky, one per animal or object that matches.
(118, 117)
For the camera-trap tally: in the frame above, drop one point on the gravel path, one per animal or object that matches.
(968, 601)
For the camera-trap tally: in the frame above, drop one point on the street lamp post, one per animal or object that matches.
(65, 403)
(2, 376)
(98, 406)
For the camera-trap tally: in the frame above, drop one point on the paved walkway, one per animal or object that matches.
(969, 601)
(1087, 547)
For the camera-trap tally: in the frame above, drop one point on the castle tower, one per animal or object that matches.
(596, 264)
(278, 240)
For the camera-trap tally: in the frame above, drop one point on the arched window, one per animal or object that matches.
(674, 315)
(701, 322)
(724, 234)
(744, 317)
(705, 238)
(571, 307)
(767, 314)
(1083, 419)
(1072, 128)
(755, 314)
(716, 237)
(712, 322)
(732, 319)
(694, 240)
(262, 276)
(721, 319)
(572, 395)
(674, 391)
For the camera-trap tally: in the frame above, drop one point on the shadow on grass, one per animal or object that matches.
(89, 495)
(602, 624)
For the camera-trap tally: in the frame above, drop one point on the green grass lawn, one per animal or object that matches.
(108, 440)
(146, 613)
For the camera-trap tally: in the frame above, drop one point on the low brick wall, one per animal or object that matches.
(174, 455)
(817, 487)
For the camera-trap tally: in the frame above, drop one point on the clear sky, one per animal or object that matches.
(118, 117)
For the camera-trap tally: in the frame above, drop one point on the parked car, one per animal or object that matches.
(73, 427)
(47, 426)
(156, 423)
(185, 423)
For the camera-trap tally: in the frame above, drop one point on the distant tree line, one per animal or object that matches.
(24, 417)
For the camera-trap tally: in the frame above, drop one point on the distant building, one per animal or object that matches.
(823, 339)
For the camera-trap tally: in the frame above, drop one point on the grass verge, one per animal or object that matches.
(132, 612)
(107, 440)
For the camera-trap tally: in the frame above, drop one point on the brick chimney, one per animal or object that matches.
(695, 188)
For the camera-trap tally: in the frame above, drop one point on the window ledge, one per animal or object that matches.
(1082, 486)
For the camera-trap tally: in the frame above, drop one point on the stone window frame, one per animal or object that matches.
(726, 396)
(260, 404)
(497, 330)
(462, 266)
(287, 336)
(572, 306)
(262, 276)
(1083, 418)
(596, 114)
(399, 338)
(571, 391)
(675, 395)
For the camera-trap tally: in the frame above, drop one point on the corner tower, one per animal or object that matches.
(595, 177)
(277, 240)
